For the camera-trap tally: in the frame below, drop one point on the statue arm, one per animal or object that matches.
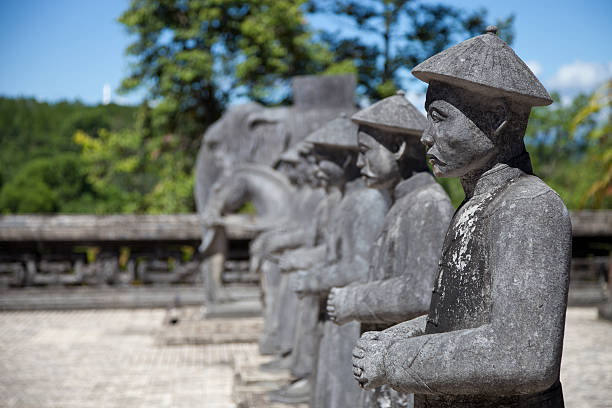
(383, 301)
(410, 328)
(519, 351)
(296, 237)
(418, 235)
(302, 258)
(366, 221)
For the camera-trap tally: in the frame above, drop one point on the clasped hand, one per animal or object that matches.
(368, 359)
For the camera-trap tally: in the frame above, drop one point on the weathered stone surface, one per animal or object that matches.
(352, 230)
(97, 228)
(393, 114)
(251, 133)
(404, 258)
(494, 332)
(485, 64)
(323, 90)
(268, 190)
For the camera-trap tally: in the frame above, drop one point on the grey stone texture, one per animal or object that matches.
(494, 332)
(354, 224)
(324, 90)
(393, 114)
(404, 257)
(298, 231)
(358, 220)
(269, 191)
(485, 64)
(251, 133)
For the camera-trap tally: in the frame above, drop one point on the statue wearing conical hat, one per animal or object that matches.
(494, 332)
(350, 232)
(405, 257)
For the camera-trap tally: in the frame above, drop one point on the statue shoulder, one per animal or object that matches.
(531, 197)
(370, 200)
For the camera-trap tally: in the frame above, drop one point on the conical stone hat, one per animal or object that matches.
(339, 133)
(485, 64)
(290, 155)
(395, 114)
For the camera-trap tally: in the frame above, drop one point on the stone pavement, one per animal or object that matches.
(131, 358)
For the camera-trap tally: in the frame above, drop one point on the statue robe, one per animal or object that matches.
(356, 223)
(402, 267)
(494, 333)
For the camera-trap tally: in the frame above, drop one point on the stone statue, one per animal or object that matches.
(252, 134)
(279, 302)
(354, 224)
(404, 259)
(494, 333)
(272, 194)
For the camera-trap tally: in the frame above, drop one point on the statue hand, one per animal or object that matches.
(299, 283)
(285, 264)
(368, 360)
(337, 306)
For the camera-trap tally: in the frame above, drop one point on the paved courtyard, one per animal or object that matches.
(114, 358)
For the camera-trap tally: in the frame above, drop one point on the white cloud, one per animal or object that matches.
(535, 67)
(580, 76)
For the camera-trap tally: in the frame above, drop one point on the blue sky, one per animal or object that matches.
(69, 49)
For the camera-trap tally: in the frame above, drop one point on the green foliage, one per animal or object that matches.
(45, 185)
(395, 35)
(192, 56)
(569, 147)
(135, 174)
(453, 189)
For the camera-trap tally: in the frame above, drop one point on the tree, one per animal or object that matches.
(570, 149)
(41, 171)
(600, 149)
(48, 185)
(395, 35)
(192, 56)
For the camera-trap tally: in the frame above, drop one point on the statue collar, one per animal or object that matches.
(495, 178)
(417, 180)
(353, 185)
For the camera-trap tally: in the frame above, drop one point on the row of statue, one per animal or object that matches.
(377, 292)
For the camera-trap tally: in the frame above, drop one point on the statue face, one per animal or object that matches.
(328, 167)
(455, 144)
(378, 164)
(329, 173)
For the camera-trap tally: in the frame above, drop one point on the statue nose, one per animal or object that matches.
(360, 162)
(426, 137)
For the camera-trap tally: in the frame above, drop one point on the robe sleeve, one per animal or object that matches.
(360, 229)
(519, 351)
(412, 252)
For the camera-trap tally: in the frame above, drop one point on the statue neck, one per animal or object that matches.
(472, 181)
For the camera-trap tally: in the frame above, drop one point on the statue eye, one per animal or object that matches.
(436, 116)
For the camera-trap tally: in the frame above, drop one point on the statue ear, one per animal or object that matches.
(400, 152)
(498, 117)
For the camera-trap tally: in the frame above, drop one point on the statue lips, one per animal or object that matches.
(366, 176)
(434, 160)
(320, 174)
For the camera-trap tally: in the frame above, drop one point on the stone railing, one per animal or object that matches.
(38, 250)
